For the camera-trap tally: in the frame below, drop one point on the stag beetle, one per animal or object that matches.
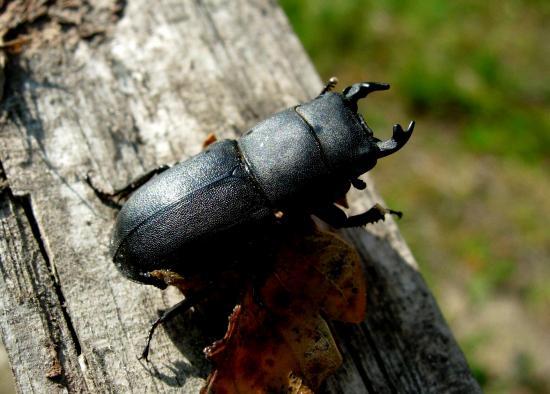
(299, 160)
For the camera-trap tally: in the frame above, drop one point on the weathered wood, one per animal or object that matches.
(145, 88)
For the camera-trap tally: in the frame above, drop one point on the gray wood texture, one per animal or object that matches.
(119, 88)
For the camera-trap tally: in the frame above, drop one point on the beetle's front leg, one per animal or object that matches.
(114, 199)
(338, 218)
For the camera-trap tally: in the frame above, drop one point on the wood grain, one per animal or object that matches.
(142, 89)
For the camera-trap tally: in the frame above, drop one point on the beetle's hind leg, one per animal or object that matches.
(117, 198)
(338, 218)
(181, 307)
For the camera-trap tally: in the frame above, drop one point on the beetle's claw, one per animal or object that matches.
(387, 211)
(399, 134)
(397, 130)
(109, 199)
(145, 354)
(399, 214)
(397, 141)
(410, 128)
(357, 91)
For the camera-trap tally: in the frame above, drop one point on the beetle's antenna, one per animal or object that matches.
(329, 85)
(357, 91)
(396, 142)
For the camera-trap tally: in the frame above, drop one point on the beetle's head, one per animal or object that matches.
(348, 142)
(352, 94)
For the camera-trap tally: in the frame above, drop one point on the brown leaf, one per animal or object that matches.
(323, 269)
(282, 343)
(263, 352)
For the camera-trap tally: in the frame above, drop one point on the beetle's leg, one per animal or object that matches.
(338, 218)
(114, 199)
(329, 85)
(376, 213)
(181, 307)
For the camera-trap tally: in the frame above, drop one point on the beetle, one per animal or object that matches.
(298, 161)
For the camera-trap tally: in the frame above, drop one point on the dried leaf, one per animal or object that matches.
(322, 268)
(263, 352)
(280, 342)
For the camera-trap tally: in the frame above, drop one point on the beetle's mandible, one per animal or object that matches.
(300, 160)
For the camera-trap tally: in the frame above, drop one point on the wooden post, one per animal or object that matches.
(119, 88)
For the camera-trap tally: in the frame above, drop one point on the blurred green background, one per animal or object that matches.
(474, 180)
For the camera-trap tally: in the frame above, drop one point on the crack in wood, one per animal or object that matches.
(31, 284)
(26, 203)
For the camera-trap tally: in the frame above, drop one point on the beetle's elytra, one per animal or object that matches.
(300, 160)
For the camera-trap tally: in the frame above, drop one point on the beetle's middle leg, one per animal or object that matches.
(338, 218)
(115, 198)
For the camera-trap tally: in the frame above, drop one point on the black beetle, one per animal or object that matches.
(299, 160)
